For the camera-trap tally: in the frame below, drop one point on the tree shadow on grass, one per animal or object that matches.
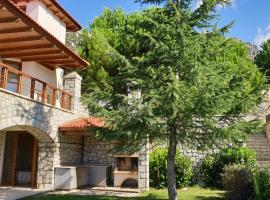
(209, 198)
(87, 197)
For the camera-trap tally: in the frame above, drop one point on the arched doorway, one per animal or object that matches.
(20, 159)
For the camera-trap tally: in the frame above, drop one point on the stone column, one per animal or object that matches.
(72, 85)
(48, 158)
(143, 168)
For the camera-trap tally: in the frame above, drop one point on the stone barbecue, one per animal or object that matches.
(126, 171)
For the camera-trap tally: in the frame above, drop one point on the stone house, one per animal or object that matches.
(45, 141)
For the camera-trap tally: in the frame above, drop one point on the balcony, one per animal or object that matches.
(18, 82)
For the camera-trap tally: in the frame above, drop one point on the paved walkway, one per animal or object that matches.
(13, 193)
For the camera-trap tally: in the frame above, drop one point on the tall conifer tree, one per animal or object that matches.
(168, 74)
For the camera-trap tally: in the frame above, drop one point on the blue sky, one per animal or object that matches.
(252, 17)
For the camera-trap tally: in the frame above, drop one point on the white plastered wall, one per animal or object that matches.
(44, 17)
(38, 71)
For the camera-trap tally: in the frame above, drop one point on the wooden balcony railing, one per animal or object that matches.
(17, 81)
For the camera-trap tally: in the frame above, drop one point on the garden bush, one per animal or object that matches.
(237, 180)
(262, 185)
(158, 169)
(212, 166)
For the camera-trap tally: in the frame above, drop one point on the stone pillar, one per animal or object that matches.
(143, 168)
(72, 85)
(47, 160)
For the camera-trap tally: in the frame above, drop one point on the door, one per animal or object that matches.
(20, 162)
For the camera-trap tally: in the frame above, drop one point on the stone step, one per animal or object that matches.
(264, 164)
(261, 140)
(261, 135)
(263, 157)
(260, 147)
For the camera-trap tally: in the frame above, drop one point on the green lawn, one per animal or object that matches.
(194, 193)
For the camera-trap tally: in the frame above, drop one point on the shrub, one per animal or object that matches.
(262, 185)
(158, 169)
(237, 181)
(212, 166)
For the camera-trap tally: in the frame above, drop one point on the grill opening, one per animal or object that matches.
(130, 183)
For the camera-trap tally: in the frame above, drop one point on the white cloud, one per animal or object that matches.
(198, 3)
(263, 34)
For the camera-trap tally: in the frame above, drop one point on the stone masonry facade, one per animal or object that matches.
(19, 113)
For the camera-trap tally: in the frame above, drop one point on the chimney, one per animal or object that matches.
(72, 85)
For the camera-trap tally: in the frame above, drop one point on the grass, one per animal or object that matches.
(194, 193)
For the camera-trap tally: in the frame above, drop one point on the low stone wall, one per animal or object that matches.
(196, 157)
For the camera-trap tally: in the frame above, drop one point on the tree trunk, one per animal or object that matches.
(171, 168)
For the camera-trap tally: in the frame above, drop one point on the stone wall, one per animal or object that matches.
(71, 148)
(196, 156)
(98, 151)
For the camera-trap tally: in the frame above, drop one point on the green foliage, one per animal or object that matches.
(263, 58)
(190, 84)
(213, 165)
(158, 169)
(73, 40)
(262, 185)
(238, 182)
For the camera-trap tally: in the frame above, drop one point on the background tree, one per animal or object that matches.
(72, 40)
(168, 74)
(263, 58)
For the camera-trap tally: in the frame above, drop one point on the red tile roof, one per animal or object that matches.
(82, 123)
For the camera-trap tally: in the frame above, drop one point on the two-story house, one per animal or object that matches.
(45, 137)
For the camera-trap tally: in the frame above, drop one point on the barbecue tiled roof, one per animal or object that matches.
(82, 123)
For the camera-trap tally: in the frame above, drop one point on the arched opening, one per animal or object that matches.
(26, 157)
(20, 159)
(130, 183)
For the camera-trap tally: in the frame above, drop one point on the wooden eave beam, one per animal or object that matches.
(61, 61)
(8, 19)
(15, 54)
(44, 58)
(14, 29)
(9, 48)
(21, 39)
